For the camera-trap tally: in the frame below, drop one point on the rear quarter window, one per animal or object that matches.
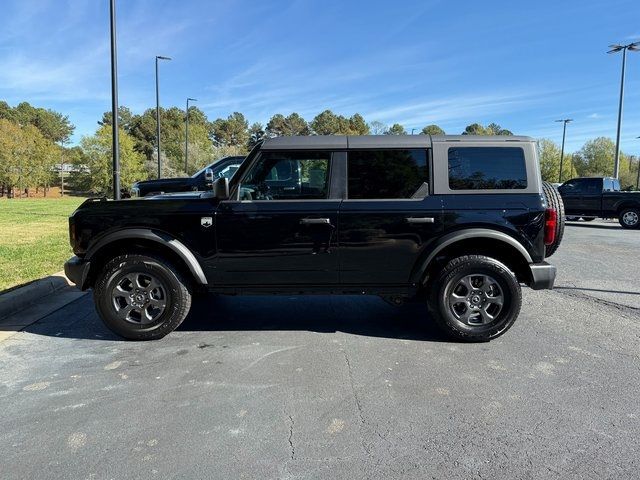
(487, 168)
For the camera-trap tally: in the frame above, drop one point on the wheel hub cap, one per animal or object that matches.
(476, 299)
(630, 218)
(139, 298)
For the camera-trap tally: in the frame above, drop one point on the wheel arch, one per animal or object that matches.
(624, 204)
(478, 241)
(140, 240)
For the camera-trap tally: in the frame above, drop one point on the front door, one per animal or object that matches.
(389, 219)
(282, 228)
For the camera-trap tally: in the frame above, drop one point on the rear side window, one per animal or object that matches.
(487, 168)
(387, 174)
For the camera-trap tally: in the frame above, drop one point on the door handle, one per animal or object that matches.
(420, 220)
(315, 221)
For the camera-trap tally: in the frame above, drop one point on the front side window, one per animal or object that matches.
(288, 176)
(387, 174)
(487, 168)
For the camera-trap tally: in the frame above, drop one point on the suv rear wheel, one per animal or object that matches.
(475, 299)
(629, 218)
(141, 297)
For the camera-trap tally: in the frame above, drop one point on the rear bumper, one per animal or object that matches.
(77, 270)
(543, 275)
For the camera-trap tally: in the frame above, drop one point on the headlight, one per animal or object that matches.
(135, 192)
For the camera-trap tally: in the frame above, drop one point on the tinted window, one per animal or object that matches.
(384, 174)
(484, 168)
(593, 185)
(287, 176)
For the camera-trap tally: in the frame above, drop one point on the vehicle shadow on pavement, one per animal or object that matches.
(612, 226)
(357, 315)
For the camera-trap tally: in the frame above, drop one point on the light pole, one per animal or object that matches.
(564, 133)
(186, 135)
(638, 179)
(158, 57)
(413, 130)
(634, 47)
(114, 105)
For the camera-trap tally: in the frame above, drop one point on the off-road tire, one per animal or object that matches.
(177, 296)
(554, 200)
(438, 302)
(629, 211)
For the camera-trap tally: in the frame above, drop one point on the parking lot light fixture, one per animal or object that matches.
(564, 133)
(634, 47)
(158, 57)
(186, 135)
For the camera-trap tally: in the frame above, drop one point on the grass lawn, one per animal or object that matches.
(34, 237)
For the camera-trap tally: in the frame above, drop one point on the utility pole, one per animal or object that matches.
(634, 47)
(564, 133)
(158, 57)
(114, 105)
(62, 168)
(638, 179)
(186, 136)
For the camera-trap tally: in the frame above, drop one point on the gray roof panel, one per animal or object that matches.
(320, 142)
(480, 138)
(342, 142)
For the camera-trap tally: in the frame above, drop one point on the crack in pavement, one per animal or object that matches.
(291, 446)
(635, 311)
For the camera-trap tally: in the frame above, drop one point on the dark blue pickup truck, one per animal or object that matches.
(591, 197)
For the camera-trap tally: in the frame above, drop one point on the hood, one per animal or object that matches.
(166, 181)
(174, 196)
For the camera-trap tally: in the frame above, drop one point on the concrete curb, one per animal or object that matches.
(23, 297)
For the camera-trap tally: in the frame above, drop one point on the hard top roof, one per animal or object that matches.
(377, 141)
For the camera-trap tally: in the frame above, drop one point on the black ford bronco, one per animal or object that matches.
(457, 222)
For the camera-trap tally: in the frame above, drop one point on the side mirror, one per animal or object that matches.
(221, 188)
(208, 177)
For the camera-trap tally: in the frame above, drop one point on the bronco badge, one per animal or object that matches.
(206, 221)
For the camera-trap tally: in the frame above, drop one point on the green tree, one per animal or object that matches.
(325, 123)
(396, 129)
(293, 124)
(491, 129)
(256, 134)
(432, 130)
(357, 125)
(230, 132)
(124, 117)
(53, 125)
(549, 157)
(98, 160)
(596, 157)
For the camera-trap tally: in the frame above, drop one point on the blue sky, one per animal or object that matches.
(520, 64)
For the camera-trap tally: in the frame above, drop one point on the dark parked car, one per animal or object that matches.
(224, 167)
(457, 222)
(591, 197)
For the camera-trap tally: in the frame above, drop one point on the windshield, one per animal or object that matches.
(213, 166)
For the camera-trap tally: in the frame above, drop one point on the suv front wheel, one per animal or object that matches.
(475, 299)
(141, 297)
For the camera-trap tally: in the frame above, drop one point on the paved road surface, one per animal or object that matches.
(342, 387)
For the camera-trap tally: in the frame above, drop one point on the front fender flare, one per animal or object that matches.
(162, 238)
(453, 237)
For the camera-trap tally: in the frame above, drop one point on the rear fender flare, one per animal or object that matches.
(451, 238)
(161, 238)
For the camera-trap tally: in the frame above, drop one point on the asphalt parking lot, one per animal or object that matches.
(340, 387)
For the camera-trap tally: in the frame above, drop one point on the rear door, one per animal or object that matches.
(388, 218)
(282, 228)
(582, 196)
